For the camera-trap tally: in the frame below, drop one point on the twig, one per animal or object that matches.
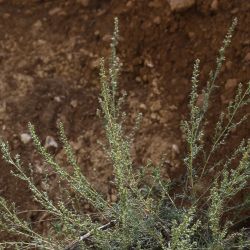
(74, 245)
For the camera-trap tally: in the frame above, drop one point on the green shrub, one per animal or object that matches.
(146, 216)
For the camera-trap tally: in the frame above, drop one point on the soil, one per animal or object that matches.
(49, 53)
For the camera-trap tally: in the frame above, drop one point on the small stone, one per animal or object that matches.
(231, 84)
(149, 63)
(37, 25)
(229, 65)
(84, 3)
(41, 42)
(246, 42)
(155, 4)
(69, 57)
(6, 15)
(73, 103)
(113, 198)
(138, 79)
(153, 116)
(25, 138)
(50, 142)
(129, 4)
(95, 64)
(144, 78)
(247, 57)
(107, 38)
(175, 151)
(156, 106)
(165, 116)
(214, 5)
(55, 11)
(172, 107)
(157, 20)
(191, 35)
(143, 106)
(175, 148)
(97, 33)
(180, 5)
(57, 99)
(234, 11)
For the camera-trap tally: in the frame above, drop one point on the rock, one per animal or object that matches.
(157, 20)
(148, 63)
(155, 4)
(25, 138)
(165, 116)
(138, 79)
(191, 35)
(143, 106)
(50, 142)
(6, 15)
(129, 4)
(153, 116)
(229, 65)
(214, 5)
(95, 64)
(84, 3)
(107, 38)
(37, 26)
(56, 11)
(156, 106)
(234, 11)
(180, 5)
(175, 150)
(73, 103)
(247, 57)
(145, 78)
(172, 107)
(231, 84)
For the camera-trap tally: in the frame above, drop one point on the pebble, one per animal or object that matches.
(156, 106)
(95, 64)
(149, 63)
(247, 57)
(229, 65)
(231, 84)
(55, 11)
(50, 142)
(84, 3)
(107, 38)
(25, 138)
(175, 150)
(38, 24)
(214, 5)
(6, 15)
(157, 20)
(155, 4)
(143, 106)
(138, 79)
(180, 5)
(73, 103)
(129, 4)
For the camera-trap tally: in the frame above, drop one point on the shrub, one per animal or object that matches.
(146, 216)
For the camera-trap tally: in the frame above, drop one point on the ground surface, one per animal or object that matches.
(49, 53)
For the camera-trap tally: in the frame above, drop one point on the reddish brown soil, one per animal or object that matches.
(49, 54)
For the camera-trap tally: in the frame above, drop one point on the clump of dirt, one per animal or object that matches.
(49, 52)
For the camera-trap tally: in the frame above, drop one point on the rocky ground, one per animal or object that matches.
(49, 53)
